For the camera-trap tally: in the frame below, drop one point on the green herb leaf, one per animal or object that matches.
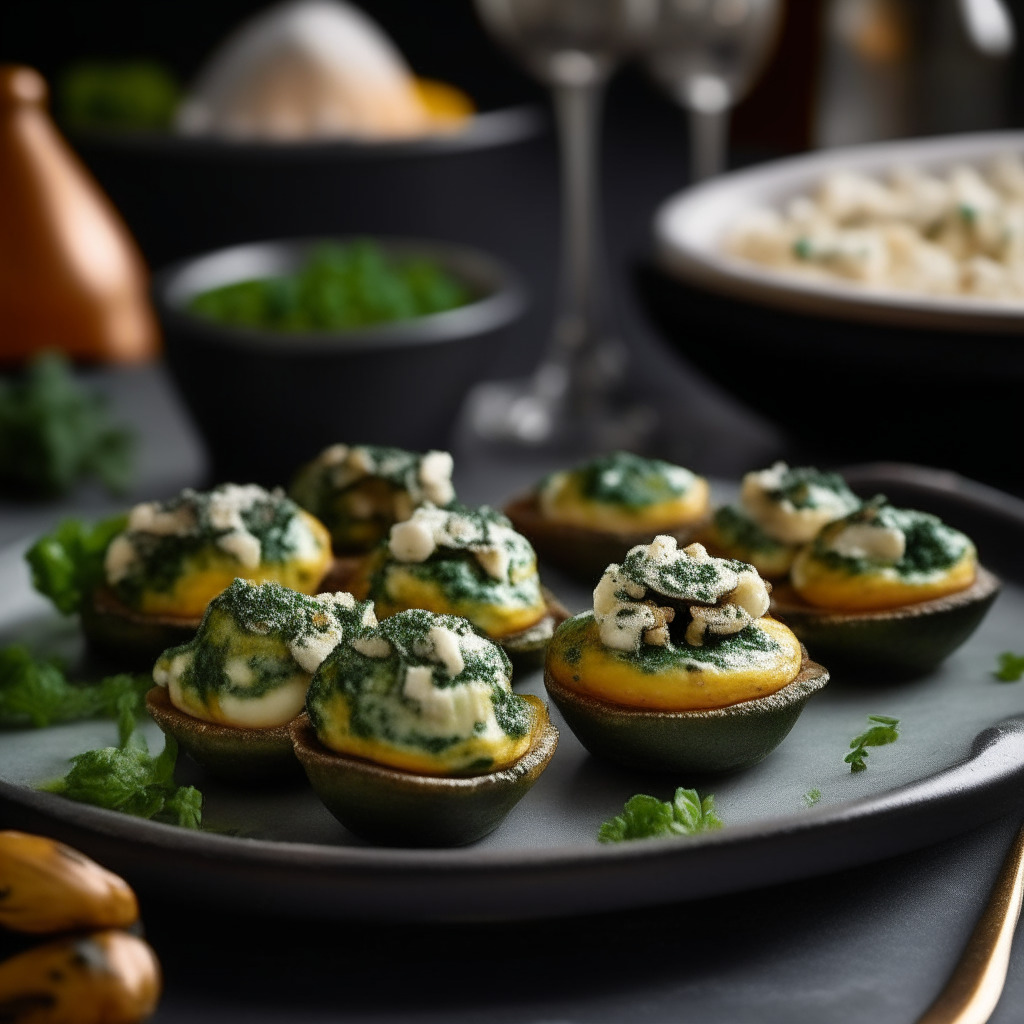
(36, 693)
(885, 732)
(53, 432)
(67, 564)
(647, 817)
(1011, 667)
(339, 288)
(812, 796)
(128, 779)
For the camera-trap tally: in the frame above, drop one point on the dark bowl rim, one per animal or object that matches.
(486, 130)
(495, 310)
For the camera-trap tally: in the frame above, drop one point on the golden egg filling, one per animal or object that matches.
(624, 493)
(360, 491)
(675, 630)
(458, 561)
(881, 557)
(780, 510)
(250, 664)
(174, 557)
(423, 693)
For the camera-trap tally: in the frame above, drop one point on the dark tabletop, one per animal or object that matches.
(873, 944)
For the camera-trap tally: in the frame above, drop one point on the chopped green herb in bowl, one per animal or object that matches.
(341, 287)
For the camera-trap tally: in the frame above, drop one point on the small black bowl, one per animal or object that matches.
(265, 401)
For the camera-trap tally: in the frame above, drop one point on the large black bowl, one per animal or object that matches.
(264, 401)
(852, 391)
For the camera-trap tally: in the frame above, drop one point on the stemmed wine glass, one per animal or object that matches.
(707, 54)
(573, 46)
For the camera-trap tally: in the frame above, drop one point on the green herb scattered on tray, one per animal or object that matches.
(67, 564)
(340, 288)
(54, 432)
(1011, 667)
(133, 95)
(647, 817)
(811, 797)
(883, 731)
(129, 779)
(37, 693)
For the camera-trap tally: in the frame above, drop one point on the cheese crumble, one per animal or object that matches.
(637, 602)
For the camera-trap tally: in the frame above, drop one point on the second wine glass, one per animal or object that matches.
(573, 46)
(707, 54)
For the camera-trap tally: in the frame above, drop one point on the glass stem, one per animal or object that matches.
(709, 131)
(573, 369)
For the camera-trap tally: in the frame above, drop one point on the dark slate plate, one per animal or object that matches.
(959, 762)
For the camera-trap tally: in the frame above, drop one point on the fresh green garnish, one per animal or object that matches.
(130, 780)
(1011, 667)
(647, 817)
(37, 693)
(812, 796)
(885, 730)
(340, 288)
(67, 564)
(118, 95)
(54, 432)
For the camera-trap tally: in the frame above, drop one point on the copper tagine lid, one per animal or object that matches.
(71, 277)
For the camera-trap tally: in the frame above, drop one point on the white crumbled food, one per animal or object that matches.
(779, 517)
(959, 232)
(425, 478)
(430, 528)
(224, 508)
(227, 503)
(628, 611)
(871, 541)
(371, 646)
(312, 647)
(453, 711)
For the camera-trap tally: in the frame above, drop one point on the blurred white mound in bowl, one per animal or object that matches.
(307, 69)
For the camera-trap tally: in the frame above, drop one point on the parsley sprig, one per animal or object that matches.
(127, 778)
(37, 693)
(885, 730)
(67, 564)
(1011, 667)
(647, 817)
(54, 432)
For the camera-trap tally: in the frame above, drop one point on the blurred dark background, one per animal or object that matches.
(917, 75)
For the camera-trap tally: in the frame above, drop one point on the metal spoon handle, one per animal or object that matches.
(973, 990)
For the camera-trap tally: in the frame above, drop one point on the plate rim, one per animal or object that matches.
(705, 264)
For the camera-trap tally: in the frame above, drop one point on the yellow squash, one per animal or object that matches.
(48, 887)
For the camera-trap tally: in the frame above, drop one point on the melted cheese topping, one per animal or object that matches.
(882, 557)
(630, 606)
(424, 566)
(250, 664)
(792, 505)
(422, 693)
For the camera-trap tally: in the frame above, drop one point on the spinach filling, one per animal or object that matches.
(461, 578)
(163, 560)
(682, 578)
(630, 481)
(931, 545)
(255, 624)
(801, 487)
(373, 689)
(746, 649)
(738, 531)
